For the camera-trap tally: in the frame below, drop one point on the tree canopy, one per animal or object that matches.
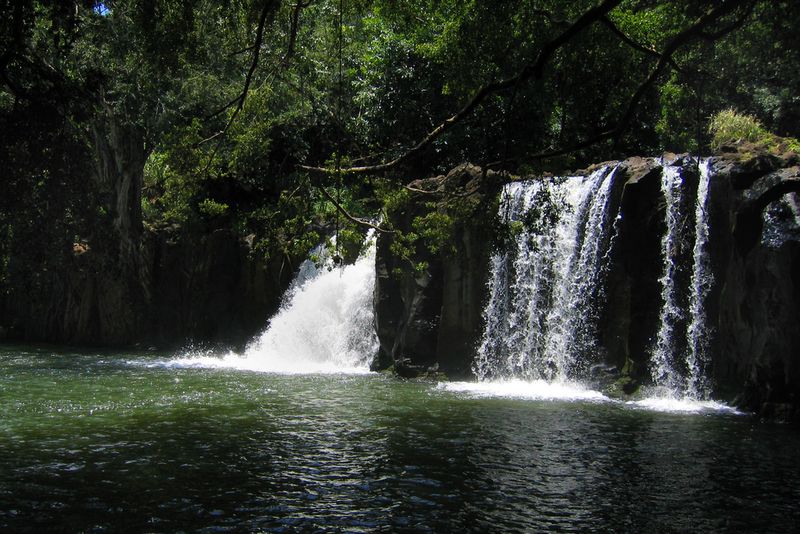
(270, 116)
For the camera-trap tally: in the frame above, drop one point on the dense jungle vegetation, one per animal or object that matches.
(278, 119)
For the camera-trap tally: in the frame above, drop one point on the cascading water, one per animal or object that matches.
(545, 288)
(539, 317)
(684, 377)
(662, 365)
(572, 313)
(325, 323)
(698, 333)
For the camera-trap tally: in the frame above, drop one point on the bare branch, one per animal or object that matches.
(633, 44)
(738, 23)
(290, 49)
(254, 49)
(695, 31)
(690, 34)
(269, 8)
(351, 218)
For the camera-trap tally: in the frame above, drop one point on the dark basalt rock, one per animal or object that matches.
(432, 322)
(186, 286)
(208, 287)
(631, 312)
(754, 304)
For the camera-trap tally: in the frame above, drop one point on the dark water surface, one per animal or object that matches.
(102, 442)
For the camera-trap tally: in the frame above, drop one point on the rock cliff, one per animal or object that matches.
(430, 320)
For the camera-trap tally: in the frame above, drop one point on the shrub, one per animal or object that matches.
(729, 127)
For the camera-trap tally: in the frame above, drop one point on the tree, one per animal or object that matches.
(283, 120)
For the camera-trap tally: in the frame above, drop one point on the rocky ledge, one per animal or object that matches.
(429, 317)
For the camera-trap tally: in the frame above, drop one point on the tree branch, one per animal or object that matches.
(532, 70)
(733, 26)
(269, 7)
(351, 218)
(290, 49)
(692, 33)
(633, 44)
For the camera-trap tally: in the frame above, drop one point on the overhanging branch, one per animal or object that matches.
(351, 218)
(269, 7)
(698, 30)
(532, 70)
(633, 44)
(694, 32)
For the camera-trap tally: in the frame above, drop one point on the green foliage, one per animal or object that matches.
(729, 127)
(436, 230)
(168, 192)
(675, 126)
(212, 208)
(404, 246)
(395, 200)
(174, 71)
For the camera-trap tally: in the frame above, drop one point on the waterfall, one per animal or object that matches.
(547, 284)
(325, 323)
(571, 338)
(662, 365)
(540, 313)
(698, 333)
(684, 377)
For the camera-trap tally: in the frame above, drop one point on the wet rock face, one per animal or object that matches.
(208, 288)
(759, 316)
(429, 321)
(432, 322)
(758, 325)
(753, 308)
(630, 315)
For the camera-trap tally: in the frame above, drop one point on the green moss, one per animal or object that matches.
(622, 388)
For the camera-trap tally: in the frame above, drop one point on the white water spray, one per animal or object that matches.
(698, 332)
(571, 337)
(662, 368)
(545, 290)
(539, 314)
(325, 325)
(684, 378)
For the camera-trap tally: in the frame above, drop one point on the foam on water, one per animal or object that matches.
(670, 404)
(243, 362)
(528, 390)
(324, 326)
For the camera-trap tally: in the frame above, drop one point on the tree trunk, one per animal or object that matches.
(109, 294)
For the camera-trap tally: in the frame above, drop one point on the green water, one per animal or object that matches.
(121, 442)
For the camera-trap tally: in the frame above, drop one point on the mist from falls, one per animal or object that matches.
(324, 325)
